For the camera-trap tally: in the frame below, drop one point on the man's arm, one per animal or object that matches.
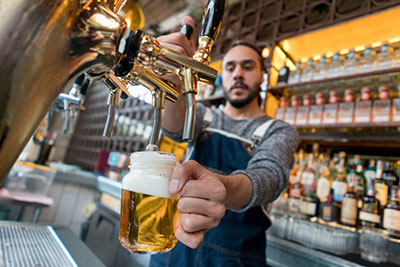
(174, 113)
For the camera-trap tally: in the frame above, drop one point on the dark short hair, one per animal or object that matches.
(251, 46)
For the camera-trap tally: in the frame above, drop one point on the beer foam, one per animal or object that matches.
(147, 184)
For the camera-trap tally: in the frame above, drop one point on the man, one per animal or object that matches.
(221, 190)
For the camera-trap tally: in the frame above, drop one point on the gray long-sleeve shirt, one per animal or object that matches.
(269, 168)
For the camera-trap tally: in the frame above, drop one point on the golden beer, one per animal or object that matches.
(148, 212)
(147, 222)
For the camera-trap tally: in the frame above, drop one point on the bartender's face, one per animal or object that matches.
(241, 75)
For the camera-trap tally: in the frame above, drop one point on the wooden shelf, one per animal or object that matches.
(327, 80)
(352, 125)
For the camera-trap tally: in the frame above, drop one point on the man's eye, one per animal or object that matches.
(230, 68)
(248, 67)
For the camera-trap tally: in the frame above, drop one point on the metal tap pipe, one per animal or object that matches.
(158, 105)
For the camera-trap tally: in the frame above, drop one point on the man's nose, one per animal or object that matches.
(238, 73)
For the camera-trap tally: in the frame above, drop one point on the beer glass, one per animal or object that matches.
(148, 211)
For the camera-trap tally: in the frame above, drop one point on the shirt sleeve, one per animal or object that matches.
(269, 168)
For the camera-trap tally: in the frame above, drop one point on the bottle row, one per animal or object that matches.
(353, 108)
(352, 61)
(346, 190)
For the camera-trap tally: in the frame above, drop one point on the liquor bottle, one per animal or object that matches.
(331, 109)
(335, 66)
(396, 106)
(346, 108)
(290, 115)
(328, 211)
(366, 61)
(369, 213)
(296, 188)
(396, 57)
(364, 106)
(350, 63)
(294, 76)
(324, 181)
(308, 70)
(304, 110)
(308, 176)
(349, 212)
(360, 178)
(384, 57)
(317, 110)
(280, 112)
(382, 106)
(309, 205)
(391, 213)
(320, 69)
(283, 75)
(339, 184)
(388, 174)
(381, 188)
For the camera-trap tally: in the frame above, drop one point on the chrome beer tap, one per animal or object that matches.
(190, 70)
(73, 102)
(159, 90)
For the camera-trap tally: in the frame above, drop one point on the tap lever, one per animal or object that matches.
(209, 31)
(85, 86)
(187, 30)
(129, 49)
(212, 18)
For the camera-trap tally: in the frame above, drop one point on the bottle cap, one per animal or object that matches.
(349, 95)
(333, 97)
(294, 101)
(283, 102)
(307, 100)
(320, 98)
(384, 92)
(365, 93)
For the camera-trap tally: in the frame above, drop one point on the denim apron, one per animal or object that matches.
(239, 239)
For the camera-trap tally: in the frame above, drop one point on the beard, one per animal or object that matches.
(239, 103)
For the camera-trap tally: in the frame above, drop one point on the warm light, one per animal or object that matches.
(277, 48)
(317, 57)
(359, 48)
(394, 40)
(290, 64)
(344, 51)
(304, 60)
(265, 52)
(128, 22)
(376, 44)
(329, 54)
(286, 45)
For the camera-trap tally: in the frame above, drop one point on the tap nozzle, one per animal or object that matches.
(115, 87)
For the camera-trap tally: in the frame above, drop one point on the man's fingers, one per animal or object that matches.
(208, 188)
(192, 240)
(177, 39)
(191, 222)
(188, 20)
(202, 207)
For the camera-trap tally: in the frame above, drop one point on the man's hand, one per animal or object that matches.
(202, 201)
(174, 113)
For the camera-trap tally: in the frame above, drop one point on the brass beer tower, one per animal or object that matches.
(46, 45)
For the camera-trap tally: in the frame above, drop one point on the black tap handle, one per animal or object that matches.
(187, 30)
(124, 95)
(132, 40)
(80, 79)
(85, 86)
(212, 18)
